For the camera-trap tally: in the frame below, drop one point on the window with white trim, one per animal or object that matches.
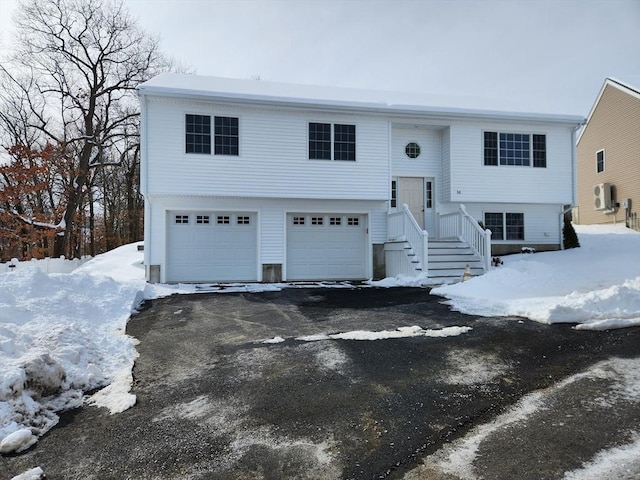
(353, 221)
(202, 219)
(332, 141)
(243, 220)
(226, 135)
(505, 225)
(181, 219)
(223, 220)
(517, 149)
(298, 220)
(335, 221)
(600, 161)
(197, 133)
(317, 220)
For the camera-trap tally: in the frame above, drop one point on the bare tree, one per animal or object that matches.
(71, 83)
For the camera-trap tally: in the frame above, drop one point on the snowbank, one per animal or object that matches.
(596, 286)
(60, 336)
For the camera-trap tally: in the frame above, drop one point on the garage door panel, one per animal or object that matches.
(326, 246)
(207, 247)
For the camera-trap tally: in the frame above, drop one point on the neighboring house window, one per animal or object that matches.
(226, 136)
(332, 141)
(521, 149)
(505, 226)
(600, 161)
(198, 133)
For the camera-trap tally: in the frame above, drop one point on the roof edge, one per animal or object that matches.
(356, 105)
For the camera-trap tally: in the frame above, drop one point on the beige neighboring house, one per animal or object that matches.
(608, 183)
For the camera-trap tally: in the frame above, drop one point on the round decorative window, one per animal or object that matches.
(412, 150)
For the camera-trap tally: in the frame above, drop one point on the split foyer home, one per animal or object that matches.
(248, 180)
(609, 158)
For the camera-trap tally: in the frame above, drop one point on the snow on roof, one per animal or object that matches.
(266, 92)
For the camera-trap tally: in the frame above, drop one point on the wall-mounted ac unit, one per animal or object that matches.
(602, 196)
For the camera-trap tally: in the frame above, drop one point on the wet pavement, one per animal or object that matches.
(215, 402)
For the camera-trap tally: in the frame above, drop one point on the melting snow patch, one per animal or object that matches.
(400, 332)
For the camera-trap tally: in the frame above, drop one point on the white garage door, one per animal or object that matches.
(326, 246)
(211, 246)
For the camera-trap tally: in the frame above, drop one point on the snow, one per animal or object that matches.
(395, 102)
(62, 335)
(596, 286)
(400, 332)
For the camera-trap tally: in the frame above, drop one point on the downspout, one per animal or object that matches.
(144, 183)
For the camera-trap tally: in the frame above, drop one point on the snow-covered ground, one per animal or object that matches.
(62, 335)
(596, 286)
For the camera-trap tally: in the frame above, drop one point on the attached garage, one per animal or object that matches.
(326, 246)
(212, 246)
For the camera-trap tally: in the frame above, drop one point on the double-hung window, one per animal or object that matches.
(198, 135)
(521, 149)
(600, 161)
(226, 135)
(329, 141)
(505, 226)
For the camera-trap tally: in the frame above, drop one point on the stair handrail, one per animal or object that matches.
(465, 228)
(402, 226)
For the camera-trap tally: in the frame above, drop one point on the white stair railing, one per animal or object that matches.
(402, 226)
(464, 227)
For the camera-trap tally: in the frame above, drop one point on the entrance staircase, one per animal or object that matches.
(448, 260)
(410, 252)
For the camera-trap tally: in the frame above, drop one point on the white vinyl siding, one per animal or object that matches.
(472, 181)
(273, 160)
(541, 222)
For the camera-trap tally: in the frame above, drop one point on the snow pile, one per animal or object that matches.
(596, 286)
(60, 336)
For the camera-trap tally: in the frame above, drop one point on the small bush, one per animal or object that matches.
(569, 235)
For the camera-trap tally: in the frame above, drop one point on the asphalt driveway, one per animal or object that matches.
(215, 402)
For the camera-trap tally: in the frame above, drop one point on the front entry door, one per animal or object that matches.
(411, 191)
(418, 193)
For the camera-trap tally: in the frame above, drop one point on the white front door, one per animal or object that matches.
(419, 195)
(411, 191)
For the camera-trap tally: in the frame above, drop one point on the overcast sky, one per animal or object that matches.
(532, 55)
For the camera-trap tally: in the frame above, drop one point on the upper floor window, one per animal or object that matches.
(521, 149)
(600, 161)
(226, 135)
(412, 150)
(332, 141)
(198, 134)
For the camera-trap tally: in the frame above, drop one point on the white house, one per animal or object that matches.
(247, 180)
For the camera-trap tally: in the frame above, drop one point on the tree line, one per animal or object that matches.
(69, 128)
